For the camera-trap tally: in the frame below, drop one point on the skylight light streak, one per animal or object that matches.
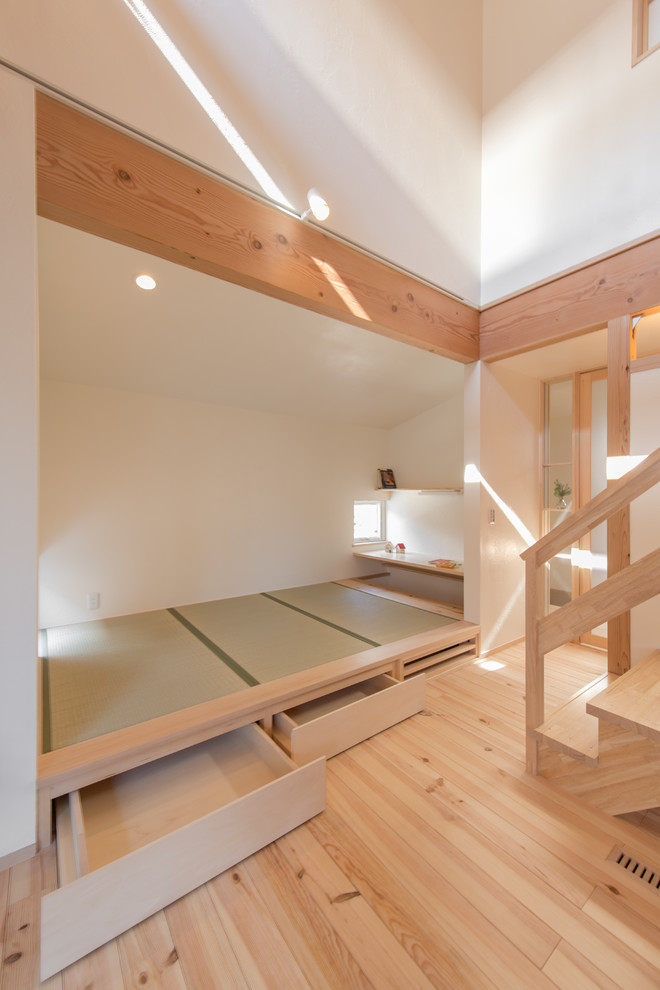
(197, 88)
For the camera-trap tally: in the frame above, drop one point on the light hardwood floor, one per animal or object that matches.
(438, 863)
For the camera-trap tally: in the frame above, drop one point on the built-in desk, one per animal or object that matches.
(412, 560)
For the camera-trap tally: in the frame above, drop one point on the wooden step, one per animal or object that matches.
(633, 701)
(571, 729)
(626, 779)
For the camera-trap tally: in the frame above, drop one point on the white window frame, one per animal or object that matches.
(381, 507)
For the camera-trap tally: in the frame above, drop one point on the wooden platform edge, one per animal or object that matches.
(67, 769)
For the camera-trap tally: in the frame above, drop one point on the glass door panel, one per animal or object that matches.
(558, 483)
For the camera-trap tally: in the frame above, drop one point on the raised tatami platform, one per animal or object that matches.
(122, 692)
(110, 674)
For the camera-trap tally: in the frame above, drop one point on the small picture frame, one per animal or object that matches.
(386, 478)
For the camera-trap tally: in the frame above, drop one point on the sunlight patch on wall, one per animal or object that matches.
(473, 475)
(490, 638)
(619, 465)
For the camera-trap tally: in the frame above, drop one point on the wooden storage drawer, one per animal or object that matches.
(129, 845)
(338, 721)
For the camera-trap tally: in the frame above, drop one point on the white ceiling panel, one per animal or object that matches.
(198, 338)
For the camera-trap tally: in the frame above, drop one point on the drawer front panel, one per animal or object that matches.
(336, 731)
(106, 902)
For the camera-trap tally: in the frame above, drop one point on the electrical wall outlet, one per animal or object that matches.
(93, 599)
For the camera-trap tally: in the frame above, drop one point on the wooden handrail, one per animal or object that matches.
(631, 586)
(614, 498)
(634, 584)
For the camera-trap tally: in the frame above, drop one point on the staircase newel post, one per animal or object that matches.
(620, 350)
(534, 660)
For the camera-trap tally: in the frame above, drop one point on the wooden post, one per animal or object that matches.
(534, 670)
(619, 345)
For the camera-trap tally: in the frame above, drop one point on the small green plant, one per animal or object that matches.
(561, 491)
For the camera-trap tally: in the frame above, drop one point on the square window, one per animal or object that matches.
(368, 521)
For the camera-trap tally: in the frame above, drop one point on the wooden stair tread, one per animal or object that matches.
(633, 701)
(571, 729)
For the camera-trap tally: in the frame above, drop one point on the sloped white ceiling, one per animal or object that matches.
(197, 338)
(375, 102)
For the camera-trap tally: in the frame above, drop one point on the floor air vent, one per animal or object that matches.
(650, 875)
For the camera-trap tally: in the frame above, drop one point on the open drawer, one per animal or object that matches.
(131, 844)
(333, 723)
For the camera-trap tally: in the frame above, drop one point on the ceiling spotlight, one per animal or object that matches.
(317, 206)
(146, 282)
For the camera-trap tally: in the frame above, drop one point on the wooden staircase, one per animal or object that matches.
(604, 742)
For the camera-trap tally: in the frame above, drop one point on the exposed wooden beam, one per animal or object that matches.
(105, 182)
(575, 302)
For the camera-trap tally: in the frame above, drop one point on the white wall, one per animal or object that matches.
(154, 502)
(505, 440)
(645, 511)
(18, 492)
(570, 142)
(427, 450)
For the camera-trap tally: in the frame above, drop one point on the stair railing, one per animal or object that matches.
(634, 584)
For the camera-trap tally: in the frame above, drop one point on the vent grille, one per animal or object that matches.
(650, 875)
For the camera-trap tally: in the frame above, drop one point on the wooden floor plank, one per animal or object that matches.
(438, 834)
(446, 964)
(354, 920)
(571, 971)
(535, 807)
(262, 953)
(579, 848)
(101, 968)
(148, 956)
(636, 931)
(20, 949)
(455, 912)
(4, 903)
(205, 952)
(492, 818)
(321, 953)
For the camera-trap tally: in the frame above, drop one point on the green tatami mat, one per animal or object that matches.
(378, 619)
(267, 639)
(111, 673)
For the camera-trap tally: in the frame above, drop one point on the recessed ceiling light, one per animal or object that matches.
(146, 282)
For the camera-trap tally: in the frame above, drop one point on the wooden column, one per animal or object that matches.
(619, 352)
(534, 660)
